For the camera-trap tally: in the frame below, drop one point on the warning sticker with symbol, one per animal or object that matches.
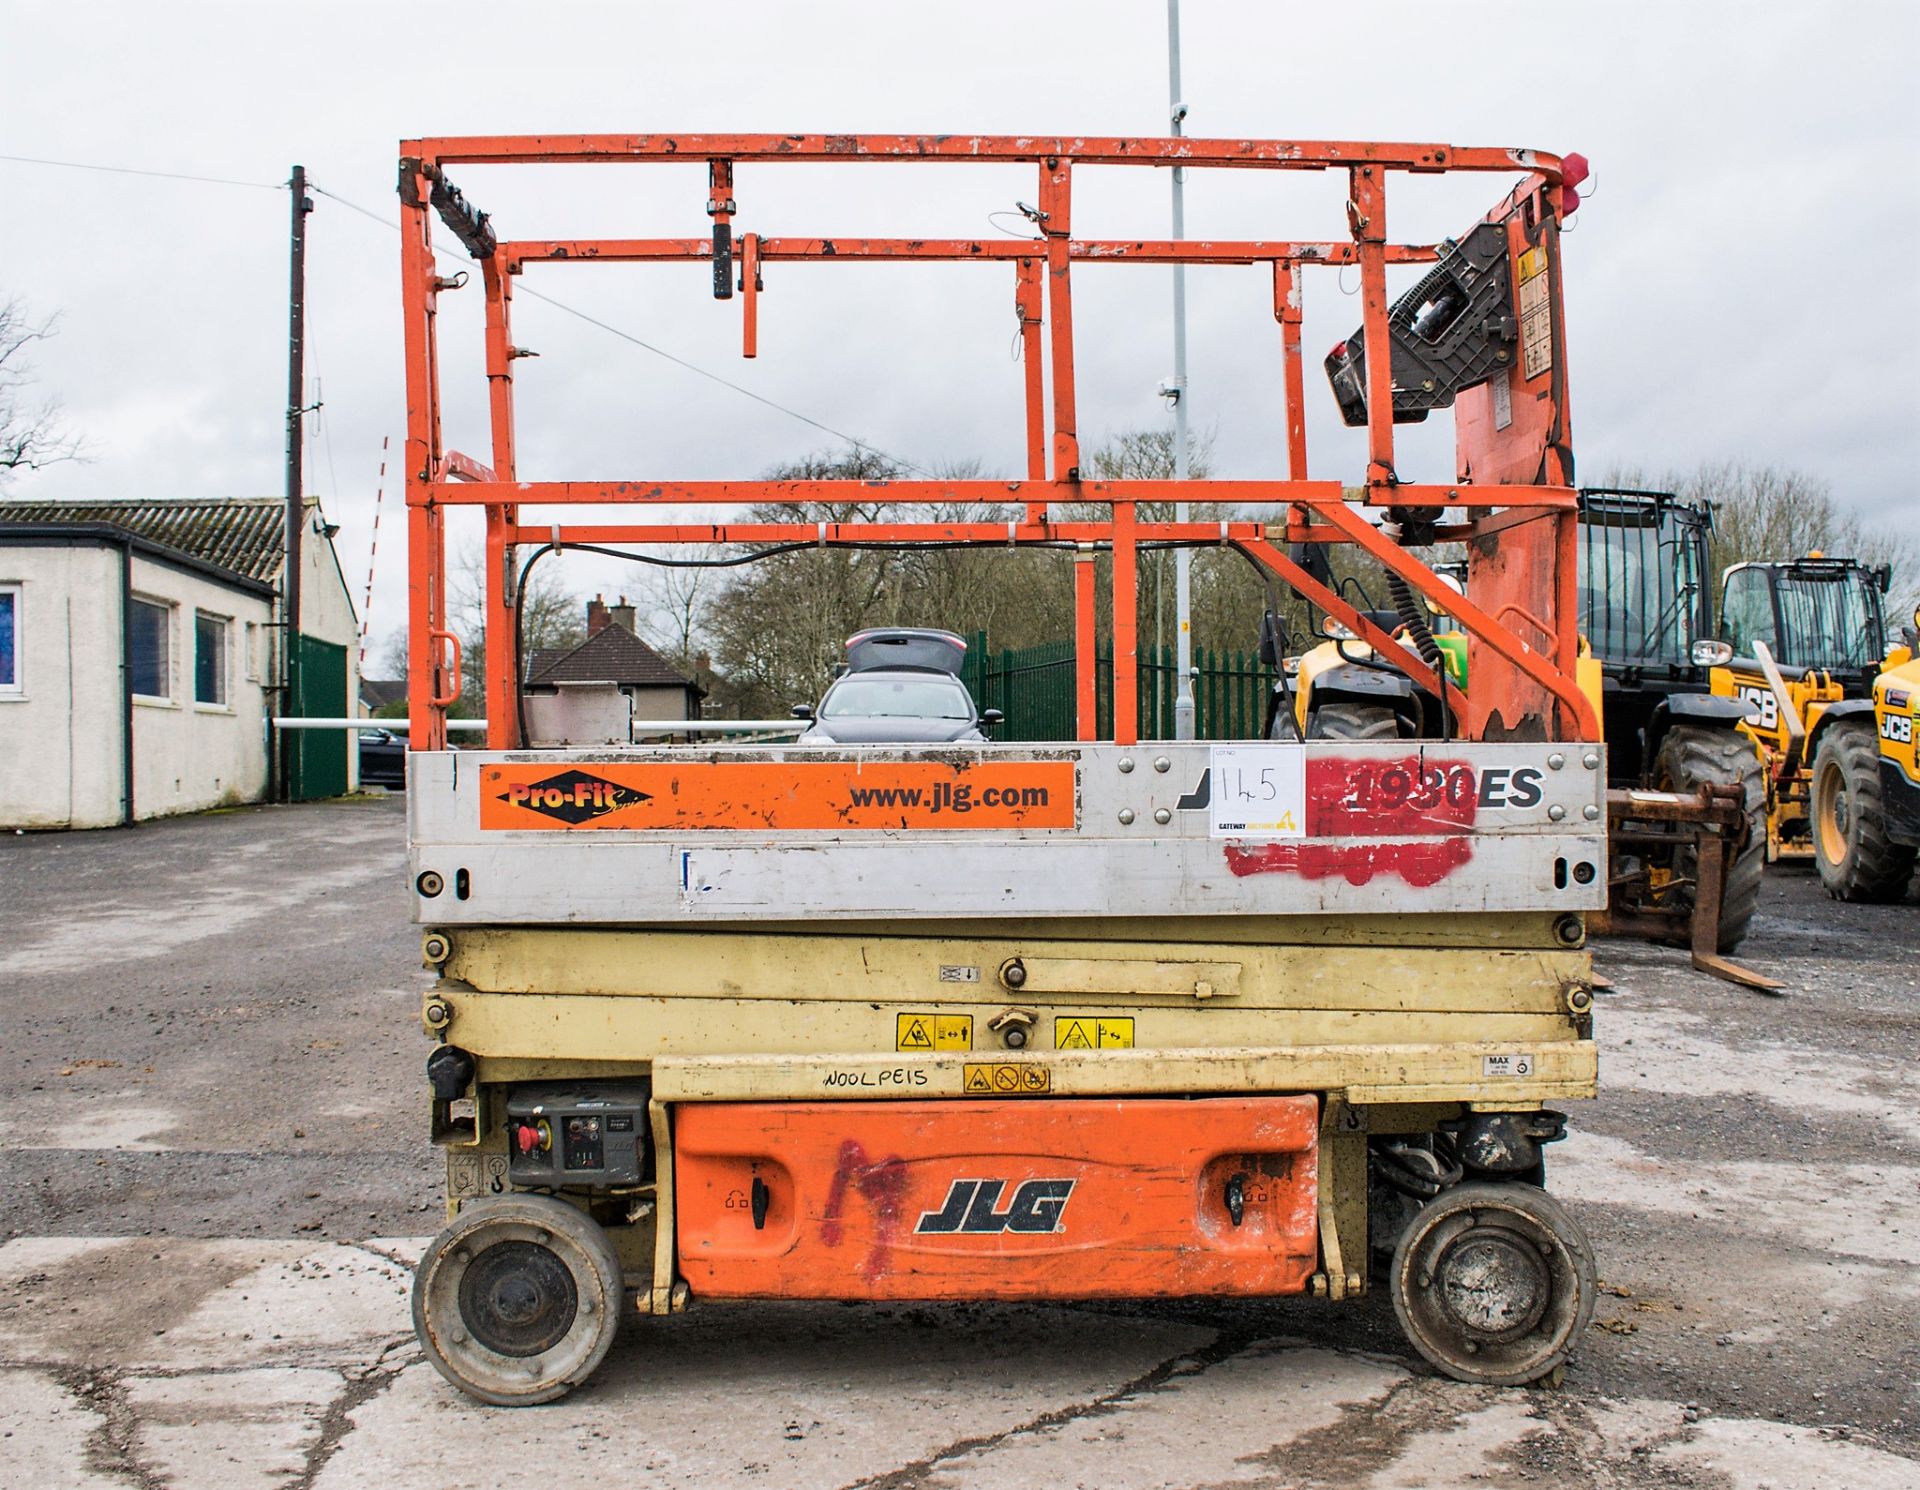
(1007, 1079)
(1536, 313)
(1086, 1032)
(933, 1032)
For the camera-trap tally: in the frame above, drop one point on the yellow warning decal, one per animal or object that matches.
(933, 1032)
(1085, 1032)
(1006, 1079)
(1532, 262)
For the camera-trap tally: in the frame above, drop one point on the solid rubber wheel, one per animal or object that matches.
(1493, 1283)
(1353, 722)
(518, 1300)
(1692, 756)
(1856, 859)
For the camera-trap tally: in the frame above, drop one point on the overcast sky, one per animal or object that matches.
(1740, 285)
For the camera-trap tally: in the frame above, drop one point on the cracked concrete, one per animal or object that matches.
(218, 1185)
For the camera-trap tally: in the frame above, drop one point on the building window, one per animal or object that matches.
(10, 670)
(150, 659)
(210, 658)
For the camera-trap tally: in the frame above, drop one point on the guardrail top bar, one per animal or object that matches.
(1183, 150)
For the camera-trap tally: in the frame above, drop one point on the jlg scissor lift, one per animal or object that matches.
(1108, 1019)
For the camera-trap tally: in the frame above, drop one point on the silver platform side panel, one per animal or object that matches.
(696, 834)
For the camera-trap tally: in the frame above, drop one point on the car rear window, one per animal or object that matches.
(896, 698)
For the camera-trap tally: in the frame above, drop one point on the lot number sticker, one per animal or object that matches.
(1259, 791)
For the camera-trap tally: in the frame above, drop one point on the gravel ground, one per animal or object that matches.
(213, 1116)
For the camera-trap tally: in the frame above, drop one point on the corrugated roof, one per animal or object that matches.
(612, 654)
(244, 534)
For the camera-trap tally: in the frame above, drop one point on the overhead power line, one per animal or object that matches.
(86, 165)
(658, 351)
(560, 305)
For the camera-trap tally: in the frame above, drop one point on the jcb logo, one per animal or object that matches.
(1765, 702)
(1037, 1206)
(1897, 728)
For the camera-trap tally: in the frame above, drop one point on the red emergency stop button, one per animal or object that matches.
(528, 1137)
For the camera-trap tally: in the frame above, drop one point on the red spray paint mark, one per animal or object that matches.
(883, 1184)
(1368, 797)
(1419, 864)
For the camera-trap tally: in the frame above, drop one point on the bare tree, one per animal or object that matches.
(31, 434)
(678, 599)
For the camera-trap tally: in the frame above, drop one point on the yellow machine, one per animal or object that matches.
(1864, 794)
(1688, 798)
(1806, 635)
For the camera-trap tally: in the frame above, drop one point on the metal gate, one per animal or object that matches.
(1034, 688)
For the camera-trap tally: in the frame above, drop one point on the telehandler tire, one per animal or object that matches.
(1692, 756)
(1494, 1283)
(1343, 721)
(1856, 859)
(518, 1300)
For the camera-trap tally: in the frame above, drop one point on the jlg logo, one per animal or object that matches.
(1037, 1206)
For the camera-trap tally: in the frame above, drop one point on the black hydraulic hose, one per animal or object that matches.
(1413, 616)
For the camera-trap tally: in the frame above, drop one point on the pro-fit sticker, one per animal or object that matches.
(571, 797)
(779, 796)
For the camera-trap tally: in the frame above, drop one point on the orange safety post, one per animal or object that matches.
(1085, 646)
(1126, 619)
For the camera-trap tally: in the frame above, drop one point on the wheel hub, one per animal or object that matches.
(1493, 1284)
(518, 1299)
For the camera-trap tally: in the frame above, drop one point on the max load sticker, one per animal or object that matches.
(779, 796)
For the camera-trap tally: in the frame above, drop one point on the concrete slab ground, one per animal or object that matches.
(210, 1105)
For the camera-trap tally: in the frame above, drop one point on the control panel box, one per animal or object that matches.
(592, 1133)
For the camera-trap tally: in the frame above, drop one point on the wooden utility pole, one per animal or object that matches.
(296, 499)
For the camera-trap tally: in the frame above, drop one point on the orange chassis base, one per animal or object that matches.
(1021, 1199)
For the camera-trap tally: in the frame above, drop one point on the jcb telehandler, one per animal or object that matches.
(1098, 1019)
(1864, 797)
(1806, 636)
(1686, 781)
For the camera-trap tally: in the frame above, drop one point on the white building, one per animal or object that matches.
(140, 659)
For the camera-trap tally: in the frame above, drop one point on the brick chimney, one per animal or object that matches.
(623, 615)
(597, 616)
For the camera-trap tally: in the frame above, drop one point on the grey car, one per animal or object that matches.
(901, 688)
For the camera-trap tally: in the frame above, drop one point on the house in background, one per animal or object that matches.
(140, 658)
(568, 688)
(377, 694)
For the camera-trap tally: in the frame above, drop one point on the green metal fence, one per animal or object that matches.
(1033, 687)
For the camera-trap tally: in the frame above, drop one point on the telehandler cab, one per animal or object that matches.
(1686, 783)
(1806, 636)
(1147, 1018)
